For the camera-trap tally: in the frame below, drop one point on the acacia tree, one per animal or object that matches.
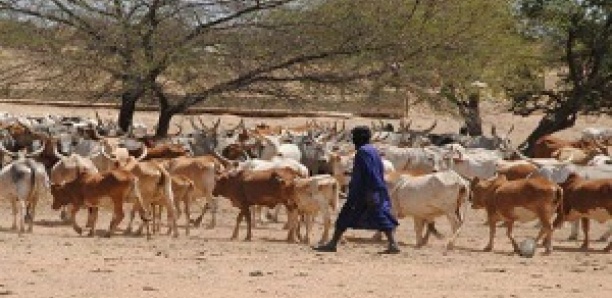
(578, 38)
(183, 53)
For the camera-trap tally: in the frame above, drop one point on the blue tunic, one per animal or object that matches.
(367, 178)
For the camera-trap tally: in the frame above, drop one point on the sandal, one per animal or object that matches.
(392, 250)
(325, 248)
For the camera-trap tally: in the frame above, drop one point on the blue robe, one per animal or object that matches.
(367, 178)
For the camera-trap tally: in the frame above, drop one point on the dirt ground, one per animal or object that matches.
(55, 262)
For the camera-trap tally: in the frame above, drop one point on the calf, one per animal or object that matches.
(523, 200)
(586, 199)
(320, 193)
(268, 188)
(89, 189)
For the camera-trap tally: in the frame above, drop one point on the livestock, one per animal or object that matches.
(201, 170)
(317, 194)
(155, 186)
(22, 182)
(424, 198)
(519, 200)
(586, 199)
(578, 156)
(266, 188)
(545, 146)
(90, 189)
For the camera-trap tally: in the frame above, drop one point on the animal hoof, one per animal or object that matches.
(487, 248)
(572, 238)
(78, 230)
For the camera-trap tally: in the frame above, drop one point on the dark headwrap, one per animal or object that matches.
(361, 135)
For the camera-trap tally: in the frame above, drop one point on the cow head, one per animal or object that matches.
(60, 198)
(482, 190)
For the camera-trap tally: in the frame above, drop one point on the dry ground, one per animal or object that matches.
(55, 262)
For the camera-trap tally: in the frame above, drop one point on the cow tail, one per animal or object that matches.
(462, 201)
(167, 184)
(560, 208)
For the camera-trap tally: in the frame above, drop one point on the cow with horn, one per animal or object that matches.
(22, 182)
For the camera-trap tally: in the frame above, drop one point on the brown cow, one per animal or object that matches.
(584, 200)
(160, 151)
(523, 200)
(518, 171)
(89, 189)
(545, 146)
(264, 188)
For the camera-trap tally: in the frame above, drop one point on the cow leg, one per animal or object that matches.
(574, 232)
(75, 208)
(31, 214)
(118, 216)
(64, 214)
(249, 235)
(509, 228)
(492, 228)
(187, 204)
(213, 212)
(585, 230)
(419, 224)
(238, 220)
(292, 219)
(326, 227)
(22, 213)
(92, 219)
(545, 231)
(132, 214)
(455, 223)
(15, 214)
(171, 216)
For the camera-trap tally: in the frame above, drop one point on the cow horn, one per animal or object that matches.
(56, 152)
(180, 130)
(193, 124)
(98, 118)
(37, 152)
(428, 130)
(226, 162)
(407, 126)
(109, 156)
(144, 153)
(216, 125)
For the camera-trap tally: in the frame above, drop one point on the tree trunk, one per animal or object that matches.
(562, 118)
(126, 113)
(470, 111)
(163, 122)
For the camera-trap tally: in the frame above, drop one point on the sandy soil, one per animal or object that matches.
(55, 262)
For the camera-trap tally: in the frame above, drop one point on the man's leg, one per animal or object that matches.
(393, 247)
(333, 243)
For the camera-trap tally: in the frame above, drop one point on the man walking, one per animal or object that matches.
(368, 206)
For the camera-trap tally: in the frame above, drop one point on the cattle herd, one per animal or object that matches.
(91, 164)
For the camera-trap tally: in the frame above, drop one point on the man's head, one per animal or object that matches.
(361, 135)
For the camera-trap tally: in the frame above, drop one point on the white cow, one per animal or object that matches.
(317, 194)
(272, 147)
(424, 198)
(22, 182)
